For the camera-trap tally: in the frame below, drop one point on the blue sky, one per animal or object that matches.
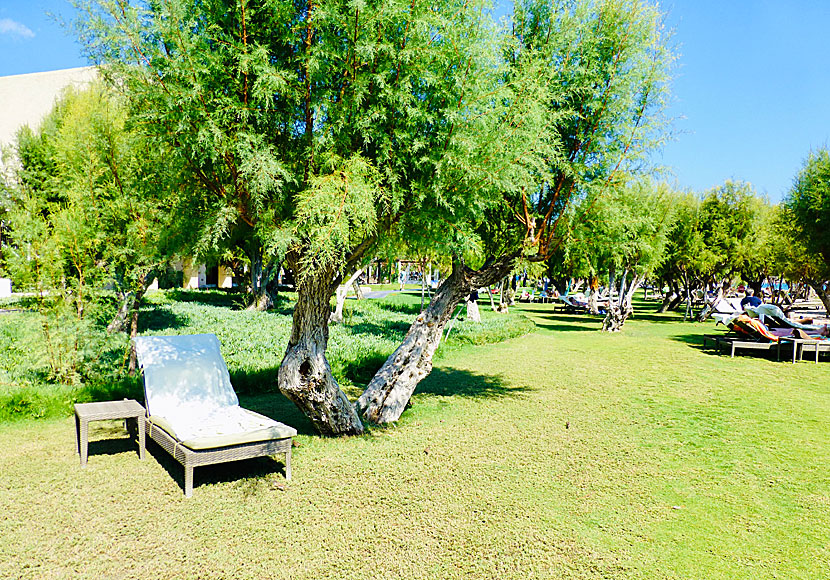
(750, 92)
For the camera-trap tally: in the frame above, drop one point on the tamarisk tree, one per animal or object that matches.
(85, 210)
(587, 85)
(635, 222)
(312, 128)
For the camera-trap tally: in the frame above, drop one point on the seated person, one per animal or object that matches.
(750, 299)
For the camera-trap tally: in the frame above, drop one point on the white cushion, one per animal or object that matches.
(184, 376)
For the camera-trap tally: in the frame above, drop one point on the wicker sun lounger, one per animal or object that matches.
(193, 412)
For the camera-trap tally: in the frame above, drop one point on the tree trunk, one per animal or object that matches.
(670, 296)
(121, 321)
(139, 297)
(823, 294)
(355, 281)
(263, 291)
(593, 297)
(472, 311)
(423, 285)
(619, 310)
(492, 301)
(709, 307)
(390, 389)
(305, 374)
(342, 290)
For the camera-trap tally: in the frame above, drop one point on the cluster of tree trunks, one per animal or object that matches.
(621, 306)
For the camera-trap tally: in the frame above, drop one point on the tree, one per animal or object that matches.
(685, 256)
(635, 222)
(599, 70)
(807, 214)
(84, 216)
(313, 128)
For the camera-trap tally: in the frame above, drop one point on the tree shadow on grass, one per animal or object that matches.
(255, 382)
(397, 329)
(160, 318)
(401, 307)
(222, 298)
(668, 317)
(570, 323)
(710, 347)
(693, 340)
(450, 382)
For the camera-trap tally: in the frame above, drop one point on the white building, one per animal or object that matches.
(26, 99)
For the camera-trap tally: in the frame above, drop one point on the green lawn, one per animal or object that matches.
(564, 453)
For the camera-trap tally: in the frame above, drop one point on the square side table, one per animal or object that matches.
(102, 411)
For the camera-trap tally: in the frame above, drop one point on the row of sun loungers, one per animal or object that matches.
(748, 333)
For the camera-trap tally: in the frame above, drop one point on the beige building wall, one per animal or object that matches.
(26, 99)
(225, 277)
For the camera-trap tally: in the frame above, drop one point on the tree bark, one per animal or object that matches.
(342, 290)
(305, 375)
(262, 291)
(619, 310)
(139, 297)
(472, 311)
(121, 320)
(824, 295)
(389, 391)
(671, 298)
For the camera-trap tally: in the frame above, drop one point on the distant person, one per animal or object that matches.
(751, 300)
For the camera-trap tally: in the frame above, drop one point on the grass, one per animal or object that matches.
(564, 453)
(253, 344)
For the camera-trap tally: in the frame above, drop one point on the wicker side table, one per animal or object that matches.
(102, 411)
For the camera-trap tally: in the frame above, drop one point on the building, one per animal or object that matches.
(26, 99)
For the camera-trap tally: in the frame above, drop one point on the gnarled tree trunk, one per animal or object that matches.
(390, 389)
(305, 374)
(620, 309)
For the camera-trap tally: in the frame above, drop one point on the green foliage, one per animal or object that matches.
(624, 230)
(806, 218)
(728, 231)
(252, 345)
(84, 215)
(606, 85)
(312, 129)
(732, 220)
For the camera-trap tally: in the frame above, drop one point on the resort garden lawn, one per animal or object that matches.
(561, 453)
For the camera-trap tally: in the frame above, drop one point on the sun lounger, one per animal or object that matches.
(193, 412)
